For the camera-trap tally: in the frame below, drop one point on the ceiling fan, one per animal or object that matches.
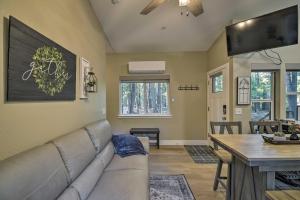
(193, 6)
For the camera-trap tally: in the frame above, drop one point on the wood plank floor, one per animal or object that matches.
(172, 160)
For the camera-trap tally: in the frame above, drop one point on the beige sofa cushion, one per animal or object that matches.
(35, 174)
(69, 194)
(130, 162)
(87, 180)
(107, 154)
(100, 134)
(145, 142)
(76, 150)
(122, 185)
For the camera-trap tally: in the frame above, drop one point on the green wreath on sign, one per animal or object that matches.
(50, 72)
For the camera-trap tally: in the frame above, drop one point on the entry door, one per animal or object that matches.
(218, 95)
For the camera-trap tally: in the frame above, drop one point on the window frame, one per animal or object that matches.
(156, 115)
(272, 99)
(292, 93)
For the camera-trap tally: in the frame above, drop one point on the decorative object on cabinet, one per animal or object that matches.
(293, 130)
(38, 68)
(243, 90)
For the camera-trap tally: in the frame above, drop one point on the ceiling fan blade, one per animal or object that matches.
(195, 7)
(151, 6)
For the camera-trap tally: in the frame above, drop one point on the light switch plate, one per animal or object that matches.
(238, 111)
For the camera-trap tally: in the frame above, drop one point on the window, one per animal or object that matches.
(262, 95)
(150, 97)
(292, 81)
(217, 83)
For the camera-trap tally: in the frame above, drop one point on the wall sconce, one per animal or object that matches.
(90, 82)
(88, 79)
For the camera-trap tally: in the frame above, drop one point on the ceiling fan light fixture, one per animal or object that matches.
(184, 2)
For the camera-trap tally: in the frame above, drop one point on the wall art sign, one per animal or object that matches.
(38, 68)
(244, 93)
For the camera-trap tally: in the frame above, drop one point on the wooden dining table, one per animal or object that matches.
(255, 162)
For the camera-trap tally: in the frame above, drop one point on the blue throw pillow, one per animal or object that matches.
(128, 145)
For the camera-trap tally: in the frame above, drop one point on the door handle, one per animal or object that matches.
(224, 118)
(224, 109)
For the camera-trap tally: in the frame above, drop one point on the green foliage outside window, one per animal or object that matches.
(144, 98)
(261, 85)
(261, 95)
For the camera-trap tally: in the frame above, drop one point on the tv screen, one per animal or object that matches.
(273, 30)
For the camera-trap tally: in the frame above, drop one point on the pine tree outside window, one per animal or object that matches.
(144, 98)
(262, 95)
(292, 81)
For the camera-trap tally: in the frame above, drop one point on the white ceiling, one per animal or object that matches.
(128, 31)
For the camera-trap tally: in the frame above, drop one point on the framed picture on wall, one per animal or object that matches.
(38, 68)
(243, 90)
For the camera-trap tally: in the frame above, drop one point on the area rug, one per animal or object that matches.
(201, 154)
(170, 187)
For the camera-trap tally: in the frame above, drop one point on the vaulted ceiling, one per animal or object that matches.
(165, 30)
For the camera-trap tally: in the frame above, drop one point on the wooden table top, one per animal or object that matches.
(253, 150)
(284, 195)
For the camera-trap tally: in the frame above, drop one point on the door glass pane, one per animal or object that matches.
(261, 111)
(217, 83)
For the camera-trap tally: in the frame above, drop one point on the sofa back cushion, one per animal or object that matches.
(69, 194)
(35, 174)
(87, 180)
(76, 150)
(107, 154)
(100, 134)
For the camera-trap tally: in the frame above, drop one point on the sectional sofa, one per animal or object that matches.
(81, 165)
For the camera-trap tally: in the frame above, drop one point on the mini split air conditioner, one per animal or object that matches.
(147, 67)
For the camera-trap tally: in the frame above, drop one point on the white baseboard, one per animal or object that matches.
(183, 142)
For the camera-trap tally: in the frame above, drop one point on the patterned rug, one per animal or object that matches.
(201, 154)
(173, 187)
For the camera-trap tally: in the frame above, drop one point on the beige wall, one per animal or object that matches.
(72, 24)
(217, 56)
(188, 121)
(217, 53)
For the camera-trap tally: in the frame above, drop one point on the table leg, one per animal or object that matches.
(270, 180)
(232, 185)
(253, 183)
(157, 142)
(242, 182)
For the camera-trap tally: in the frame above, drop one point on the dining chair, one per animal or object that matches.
(262, 127)
(224, 156)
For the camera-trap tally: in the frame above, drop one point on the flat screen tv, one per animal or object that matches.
(273, 30)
